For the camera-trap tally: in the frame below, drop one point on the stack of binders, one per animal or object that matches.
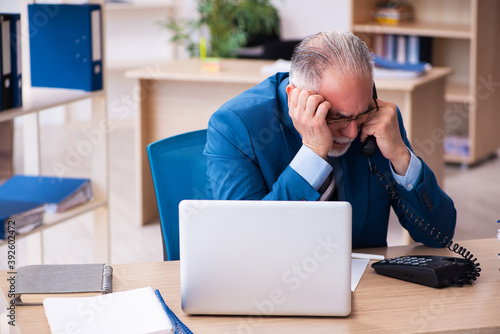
(65, 50)
(10, 61)
(17, 217)
(403, 49)
(24, 199)
(57, 193)
(400, 56)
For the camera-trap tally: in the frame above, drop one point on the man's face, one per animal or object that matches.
(349, 98)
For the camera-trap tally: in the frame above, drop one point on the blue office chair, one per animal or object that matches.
(179, 171)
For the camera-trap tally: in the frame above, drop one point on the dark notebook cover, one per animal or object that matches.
(53, 191)
(36, 282)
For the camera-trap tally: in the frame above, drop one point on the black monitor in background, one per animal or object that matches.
(272, 49)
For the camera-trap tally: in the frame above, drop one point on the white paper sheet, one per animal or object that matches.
(358, 267)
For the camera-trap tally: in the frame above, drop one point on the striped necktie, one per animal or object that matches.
(328, 189)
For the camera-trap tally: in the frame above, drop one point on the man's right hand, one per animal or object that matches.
(308, 112)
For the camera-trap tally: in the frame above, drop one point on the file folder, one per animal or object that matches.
(5, 63)
(16, 60)
(66, 46)
(57, 193)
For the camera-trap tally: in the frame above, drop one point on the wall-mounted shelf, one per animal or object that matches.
(37, 100)
(137, 5)
(415, 28)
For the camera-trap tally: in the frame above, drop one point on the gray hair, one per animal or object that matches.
(340, 50)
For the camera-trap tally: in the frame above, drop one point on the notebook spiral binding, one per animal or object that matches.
(107, 278)
(179, 327)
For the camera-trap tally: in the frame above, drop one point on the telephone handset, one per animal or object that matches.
(370, 144)
(369, 147)
(443, 271)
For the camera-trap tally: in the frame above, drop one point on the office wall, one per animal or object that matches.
(135, 37)
(9, 6)
(299, 18)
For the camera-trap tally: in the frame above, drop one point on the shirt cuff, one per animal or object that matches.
(412, 173)
(311, 167)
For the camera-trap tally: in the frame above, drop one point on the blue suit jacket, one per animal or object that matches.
(251, 141)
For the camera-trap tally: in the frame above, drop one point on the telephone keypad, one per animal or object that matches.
(409, 260)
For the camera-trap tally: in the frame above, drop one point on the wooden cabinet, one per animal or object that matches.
(464, 38)
(92, 151)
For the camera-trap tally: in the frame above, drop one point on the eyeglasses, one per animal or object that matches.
(343, 122)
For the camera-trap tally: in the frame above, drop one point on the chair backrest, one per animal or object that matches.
(179, 172)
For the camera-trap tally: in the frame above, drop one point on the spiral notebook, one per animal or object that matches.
(137, 311)
(265, 257)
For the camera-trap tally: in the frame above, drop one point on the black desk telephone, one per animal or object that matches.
(435, 271)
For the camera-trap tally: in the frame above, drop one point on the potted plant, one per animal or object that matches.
(224, 26)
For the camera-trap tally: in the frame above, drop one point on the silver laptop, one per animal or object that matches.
(265, 257)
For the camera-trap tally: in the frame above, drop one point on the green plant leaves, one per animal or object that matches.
(229, 24)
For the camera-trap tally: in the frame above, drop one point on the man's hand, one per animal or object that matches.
(308, 111)
(384, 126)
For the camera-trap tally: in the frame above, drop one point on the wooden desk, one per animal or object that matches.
(380, 304)
(179, 96)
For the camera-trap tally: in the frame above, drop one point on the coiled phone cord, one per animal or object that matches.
(429, 231)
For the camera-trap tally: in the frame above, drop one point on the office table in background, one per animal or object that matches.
(380, 304)
(179, 96)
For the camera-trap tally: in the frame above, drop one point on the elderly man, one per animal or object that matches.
(297, 136)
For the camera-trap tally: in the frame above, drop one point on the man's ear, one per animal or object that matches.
(289, 88)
